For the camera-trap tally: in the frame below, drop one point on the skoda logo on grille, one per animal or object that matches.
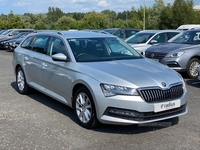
(164, 84)
(152, 55)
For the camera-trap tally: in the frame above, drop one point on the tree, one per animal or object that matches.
(14, 21)
(39, 25)
(111, 15)
(183, 12)
(166, 18)
(66, 23)
(94, 20)
(54, 14)
(155, 14)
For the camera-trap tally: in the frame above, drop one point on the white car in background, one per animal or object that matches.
(145, 39)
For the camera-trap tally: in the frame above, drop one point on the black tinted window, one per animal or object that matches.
(39, 43)
(27, 42)
(172, 34)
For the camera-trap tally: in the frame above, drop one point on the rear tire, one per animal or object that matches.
(22, 86)
(84, 108)
(192, 68)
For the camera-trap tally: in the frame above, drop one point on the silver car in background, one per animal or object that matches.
(142, 40)
(181, 53)
(101, 77)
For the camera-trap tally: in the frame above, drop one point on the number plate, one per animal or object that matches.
(167, 105)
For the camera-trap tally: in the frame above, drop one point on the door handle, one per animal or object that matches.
(26, 58)
(44, 65)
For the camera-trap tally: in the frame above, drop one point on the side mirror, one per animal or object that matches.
(10, 34)
(153, 42)
(59, 57)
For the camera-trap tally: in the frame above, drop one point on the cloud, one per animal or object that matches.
(103, 3)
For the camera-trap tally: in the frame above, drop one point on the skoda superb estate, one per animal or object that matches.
(101, 77)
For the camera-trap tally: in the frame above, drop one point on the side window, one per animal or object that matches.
(172, 34)
(196, 38)
(56, 46)
(130, 32)
(39, 44)
(15, 32)
(27, 42)
(160, 38)
(120, 34)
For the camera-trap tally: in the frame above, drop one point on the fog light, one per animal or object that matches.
(121, 112)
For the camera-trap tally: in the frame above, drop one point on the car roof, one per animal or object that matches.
(158, 31)
(76, 34)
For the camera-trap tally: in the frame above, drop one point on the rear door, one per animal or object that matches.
(33, 56)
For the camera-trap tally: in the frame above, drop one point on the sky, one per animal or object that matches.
(41, 6)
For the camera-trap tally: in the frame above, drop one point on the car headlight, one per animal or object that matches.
(112, 90)
(12, 43)
(176, 54)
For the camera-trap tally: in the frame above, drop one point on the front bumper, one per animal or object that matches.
(175, 64)
(126, 110)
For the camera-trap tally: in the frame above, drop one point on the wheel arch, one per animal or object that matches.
(78, 86)
(17, 66)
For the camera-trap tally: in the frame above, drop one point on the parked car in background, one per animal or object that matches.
(122, 33)
(12, 32)
(100, 76)
(145, 39)
(10, 43)
(1, 31)
(181, 53)
(188, 27)
(3, 41)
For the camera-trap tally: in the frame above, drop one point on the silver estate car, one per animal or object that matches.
(100, 76)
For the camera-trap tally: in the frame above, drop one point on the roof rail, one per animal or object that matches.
(60, 33)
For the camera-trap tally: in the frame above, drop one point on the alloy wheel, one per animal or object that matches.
(20, 80)
(83, 107)
(193, 68)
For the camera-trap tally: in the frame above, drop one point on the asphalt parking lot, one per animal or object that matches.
(37, 122)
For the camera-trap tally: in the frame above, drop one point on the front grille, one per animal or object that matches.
(146, 116)
(154, 55)
(160, 95)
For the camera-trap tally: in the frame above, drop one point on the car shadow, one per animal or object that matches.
(117, 129)
(193, 82)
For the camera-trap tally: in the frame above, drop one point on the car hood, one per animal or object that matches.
(134, 73)
(168, 47)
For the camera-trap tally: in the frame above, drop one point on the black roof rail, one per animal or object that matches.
(59, 32)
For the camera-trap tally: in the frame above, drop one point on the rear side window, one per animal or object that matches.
(39, 43)
(27, 42)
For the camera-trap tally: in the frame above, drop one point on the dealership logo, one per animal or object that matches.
(169, 105)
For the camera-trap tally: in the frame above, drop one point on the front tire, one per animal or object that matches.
(84, 109)
(22, 86)
(192, 68)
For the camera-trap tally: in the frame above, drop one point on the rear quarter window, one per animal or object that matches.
(26, 43)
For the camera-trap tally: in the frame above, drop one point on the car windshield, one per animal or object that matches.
(101, 49)
(187, 37)
(139, 38)
(6, 32)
